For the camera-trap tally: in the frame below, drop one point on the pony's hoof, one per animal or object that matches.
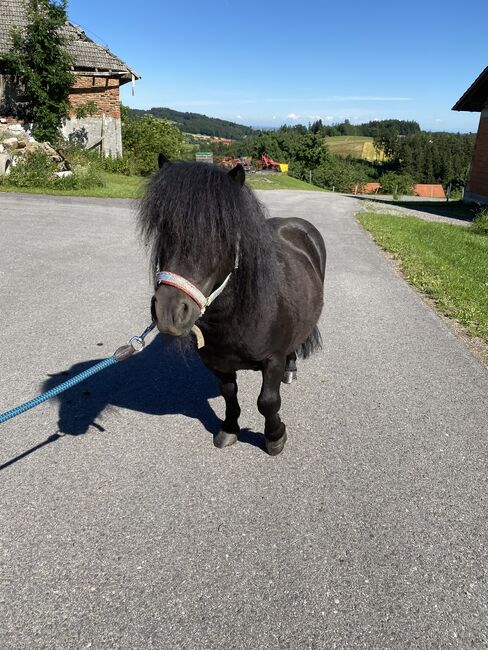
(275, 447)
(224, 439)
(289, 376)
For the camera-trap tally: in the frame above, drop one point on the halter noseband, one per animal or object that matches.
(181, 283)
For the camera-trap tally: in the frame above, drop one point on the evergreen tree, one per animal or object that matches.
(39, 62)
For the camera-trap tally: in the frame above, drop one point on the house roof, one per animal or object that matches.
(475, 98)
(87, 55)
(420, 189)
(432, 191)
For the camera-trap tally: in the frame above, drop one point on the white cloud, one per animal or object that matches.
(329, 118)
(438, 119)
(370, 98)
(274, 117)
(238, 117)
(293, 116)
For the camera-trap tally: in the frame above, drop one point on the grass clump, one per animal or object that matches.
(33, 170)
(479, 224)
(446, 262)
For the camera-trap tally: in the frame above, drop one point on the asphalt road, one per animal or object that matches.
(121, 526)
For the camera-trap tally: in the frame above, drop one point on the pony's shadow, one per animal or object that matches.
(159, 381)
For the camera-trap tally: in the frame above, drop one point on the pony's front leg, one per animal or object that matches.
(230, 427)
(269, 403)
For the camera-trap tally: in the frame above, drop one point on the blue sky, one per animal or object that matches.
(266, 63)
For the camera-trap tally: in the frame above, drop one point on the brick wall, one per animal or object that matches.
(478, 175)
(102, 91)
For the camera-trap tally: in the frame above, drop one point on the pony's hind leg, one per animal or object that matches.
(269, 403)
(230, 426)
(290, 373)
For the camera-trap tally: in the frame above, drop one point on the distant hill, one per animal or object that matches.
(197, 123)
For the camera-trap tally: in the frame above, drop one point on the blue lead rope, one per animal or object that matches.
(57, 389)
(135, 344)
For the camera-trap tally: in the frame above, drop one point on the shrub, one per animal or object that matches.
(83, 177)
(77, 155)
(297, 170)
(396, 184)
(145, 138)
(340, 174)
(480, 222)
(126, 164)
(34, 170)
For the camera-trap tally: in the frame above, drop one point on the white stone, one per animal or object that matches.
(10, 142)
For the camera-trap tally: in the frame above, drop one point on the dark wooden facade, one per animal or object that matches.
(476, 99)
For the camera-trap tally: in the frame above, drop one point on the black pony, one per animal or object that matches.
(208, 231)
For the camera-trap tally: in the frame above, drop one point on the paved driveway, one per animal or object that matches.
(121, 526)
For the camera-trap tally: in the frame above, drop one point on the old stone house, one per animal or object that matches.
(476, 99)
(98, 73)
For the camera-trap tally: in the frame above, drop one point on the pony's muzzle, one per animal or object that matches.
(174, 312)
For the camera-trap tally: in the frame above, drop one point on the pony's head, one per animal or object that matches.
(199, 219)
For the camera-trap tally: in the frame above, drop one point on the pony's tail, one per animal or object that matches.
(311, 344)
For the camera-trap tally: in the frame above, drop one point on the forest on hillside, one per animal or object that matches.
(373, 129)
(196, 123)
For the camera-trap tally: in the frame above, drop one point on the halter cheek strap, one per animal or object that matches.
(181, 283)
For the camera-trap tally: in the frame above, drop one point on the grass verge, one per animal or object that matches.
(447, 263)
(279, 182)
(117, 186)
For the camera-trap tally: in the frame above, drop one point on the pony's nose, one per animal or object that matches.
(174, 313)
(181, 313)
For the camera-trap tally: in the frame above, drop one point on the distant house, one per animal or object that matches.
(99, 75)
(476, 99)
(428, 191)
(431, 191)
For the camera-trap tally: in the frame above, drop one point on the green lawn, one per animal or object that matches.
(447, 263)
(278, 182)
(116, 186)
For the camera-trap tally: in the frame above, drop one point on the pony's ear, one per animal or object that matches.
(238, 174)
(162, 160)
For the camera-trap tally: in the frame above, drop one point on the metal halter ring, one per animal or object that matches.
(137, 343)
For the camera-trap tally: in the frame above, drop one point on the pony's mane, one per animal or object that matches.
(191, 209)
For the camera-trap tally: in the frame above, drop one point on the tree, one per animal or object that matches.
(317, 127)
(268, 143)
(39, 62)
(309, 150)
